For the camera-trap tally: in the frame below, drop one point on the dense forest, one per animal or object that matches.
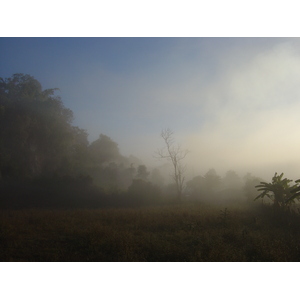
(48, 162)
(66, 199)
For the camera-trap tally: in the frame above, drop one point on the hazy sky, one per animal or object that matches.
(233, 102)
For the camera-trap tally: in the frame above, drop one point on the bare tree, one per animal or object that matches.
(175, 154)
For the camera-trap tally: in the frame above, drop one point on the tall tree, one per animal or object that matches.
(36, 135)
(175, 154)
(104, 149)
(212, 180)
(231, 180)
(142, 173)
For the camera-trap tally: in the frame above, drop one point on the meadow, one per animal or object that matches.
(186, 232)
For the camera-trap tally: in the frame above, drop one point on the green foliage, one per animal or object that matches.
(279, 190)
(295, 191)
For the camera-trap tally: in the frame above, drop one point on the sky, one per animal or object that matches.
(234, 103)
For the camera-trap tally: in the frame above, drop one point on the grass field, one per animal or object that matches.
(187, 232)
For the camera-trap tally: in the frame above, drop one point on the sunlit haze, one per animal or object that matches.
(233, 102)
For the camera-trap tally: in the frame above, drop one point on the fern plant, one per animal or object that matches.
(295, 191)
(279, 190)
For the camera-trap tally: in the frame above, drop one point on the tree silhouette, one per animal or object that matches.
(175, 154)
(142, 172)
(104, 149)
(212, 180)
(36, 135)
(279, 191)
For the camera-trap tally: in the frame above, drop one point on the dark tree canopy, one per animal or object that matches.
(104, 149)
(46, 161)
(142, 172)
(35, 128)
(212, 179)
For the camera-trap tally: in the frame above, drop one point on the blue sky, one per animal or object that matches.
(233, 102)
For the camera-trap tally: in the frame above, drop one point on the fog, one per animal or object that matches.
(244, 117)
(232, 103)
(253, 117)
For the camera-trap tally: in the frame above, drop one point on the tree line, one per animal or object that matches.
(40, 149)
(47, 161)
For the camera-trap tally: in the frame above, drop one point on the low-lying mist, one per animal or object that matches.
(236, 114)
(237, 111)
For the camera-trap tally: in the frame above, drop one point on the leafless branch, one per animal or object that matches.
(175, 154)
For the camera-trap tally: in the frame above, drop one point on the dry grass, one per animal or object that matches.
(187, 232)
